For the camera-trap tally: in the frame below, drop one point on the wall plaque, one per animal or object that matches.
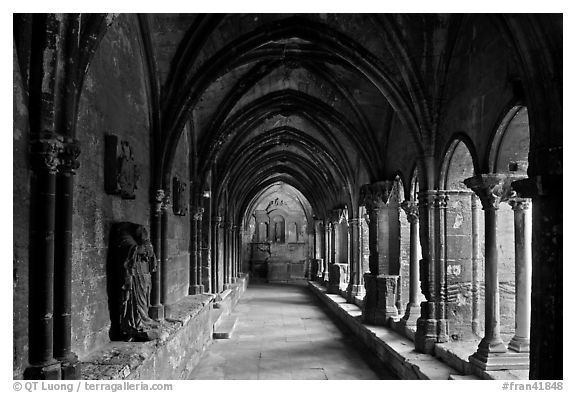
(121, 174)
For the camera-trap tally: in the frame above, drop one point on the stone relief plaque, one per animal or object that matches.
(179, 197)
(121, 173)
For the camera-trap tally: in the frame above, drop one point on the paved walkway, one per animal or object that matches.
(284, 333)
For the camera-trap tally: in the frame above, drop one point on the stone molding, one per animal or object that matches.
(68, 158)
(45, 153)
(520, 203)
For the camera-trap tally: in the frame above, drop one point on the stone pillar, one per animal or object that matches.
(491, 352)
(206, 249)
(328, 260)
(166, 207)
(321, 238)
(523, 273)
(227, 254)
(413, 307)
(378, 303)
(476, 258)
(545, 189)
(440, 205)
(364, 249)
(336, 277)
(70, 366)
(199, 280)
(380, 300)
(354, 286)
(43, 365)
(233, 254)
(195, 284)
(216, 250)
(432, 327)
(156, 310)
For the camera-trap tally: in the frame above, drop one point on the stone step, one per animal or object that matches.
(224, 327)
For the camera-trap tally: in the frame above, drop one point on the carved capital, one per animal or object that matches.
(492, 189)
(353, 222)
(45, 154)
(69, 157)
(411, 210)
(520, 203)
(440, 200)
(218, 221)
(376, 195)
(166, 201)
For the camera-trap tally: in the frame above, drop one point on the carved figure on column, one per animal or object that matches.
(131, 261)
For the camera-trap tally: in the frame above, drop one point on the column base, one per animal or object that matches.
(50, 371)
(519, 344)
(70, 367)
(411, 315)
(195, 289)
(227, 286)
(494, 361)
(354, 291)
(233, 280)
(426, 328)
(156, 312)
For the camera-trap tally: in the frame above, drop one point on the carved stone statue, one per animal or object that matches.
(130, 263)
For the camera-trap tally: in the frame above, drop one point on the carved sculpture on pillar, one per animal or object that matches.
(130, 263)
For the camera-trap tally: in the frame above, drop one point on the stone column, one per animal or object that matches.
(156, 310)
(328, 260)
(199, 280)
(476, 257)
(354, 286)
(227, 255)
(43, 365)
(412, 308)
(432, 327)
(441, 288)
(195, 285)
(381, 287)
(523, 273)
(216, 260)
(491, 189)
(63, 261)
(234, 255)
(545, 189)
(166, 207)
(206, 249)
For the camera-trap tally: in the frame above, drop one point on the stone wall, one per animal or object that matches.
(20, 223)
(178, 236)
(114, 101)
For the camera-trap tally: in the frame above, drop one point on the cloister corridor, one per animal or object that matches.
(284, 333)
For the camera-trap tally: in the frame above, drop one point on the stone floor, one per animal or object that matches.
(284, 333)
